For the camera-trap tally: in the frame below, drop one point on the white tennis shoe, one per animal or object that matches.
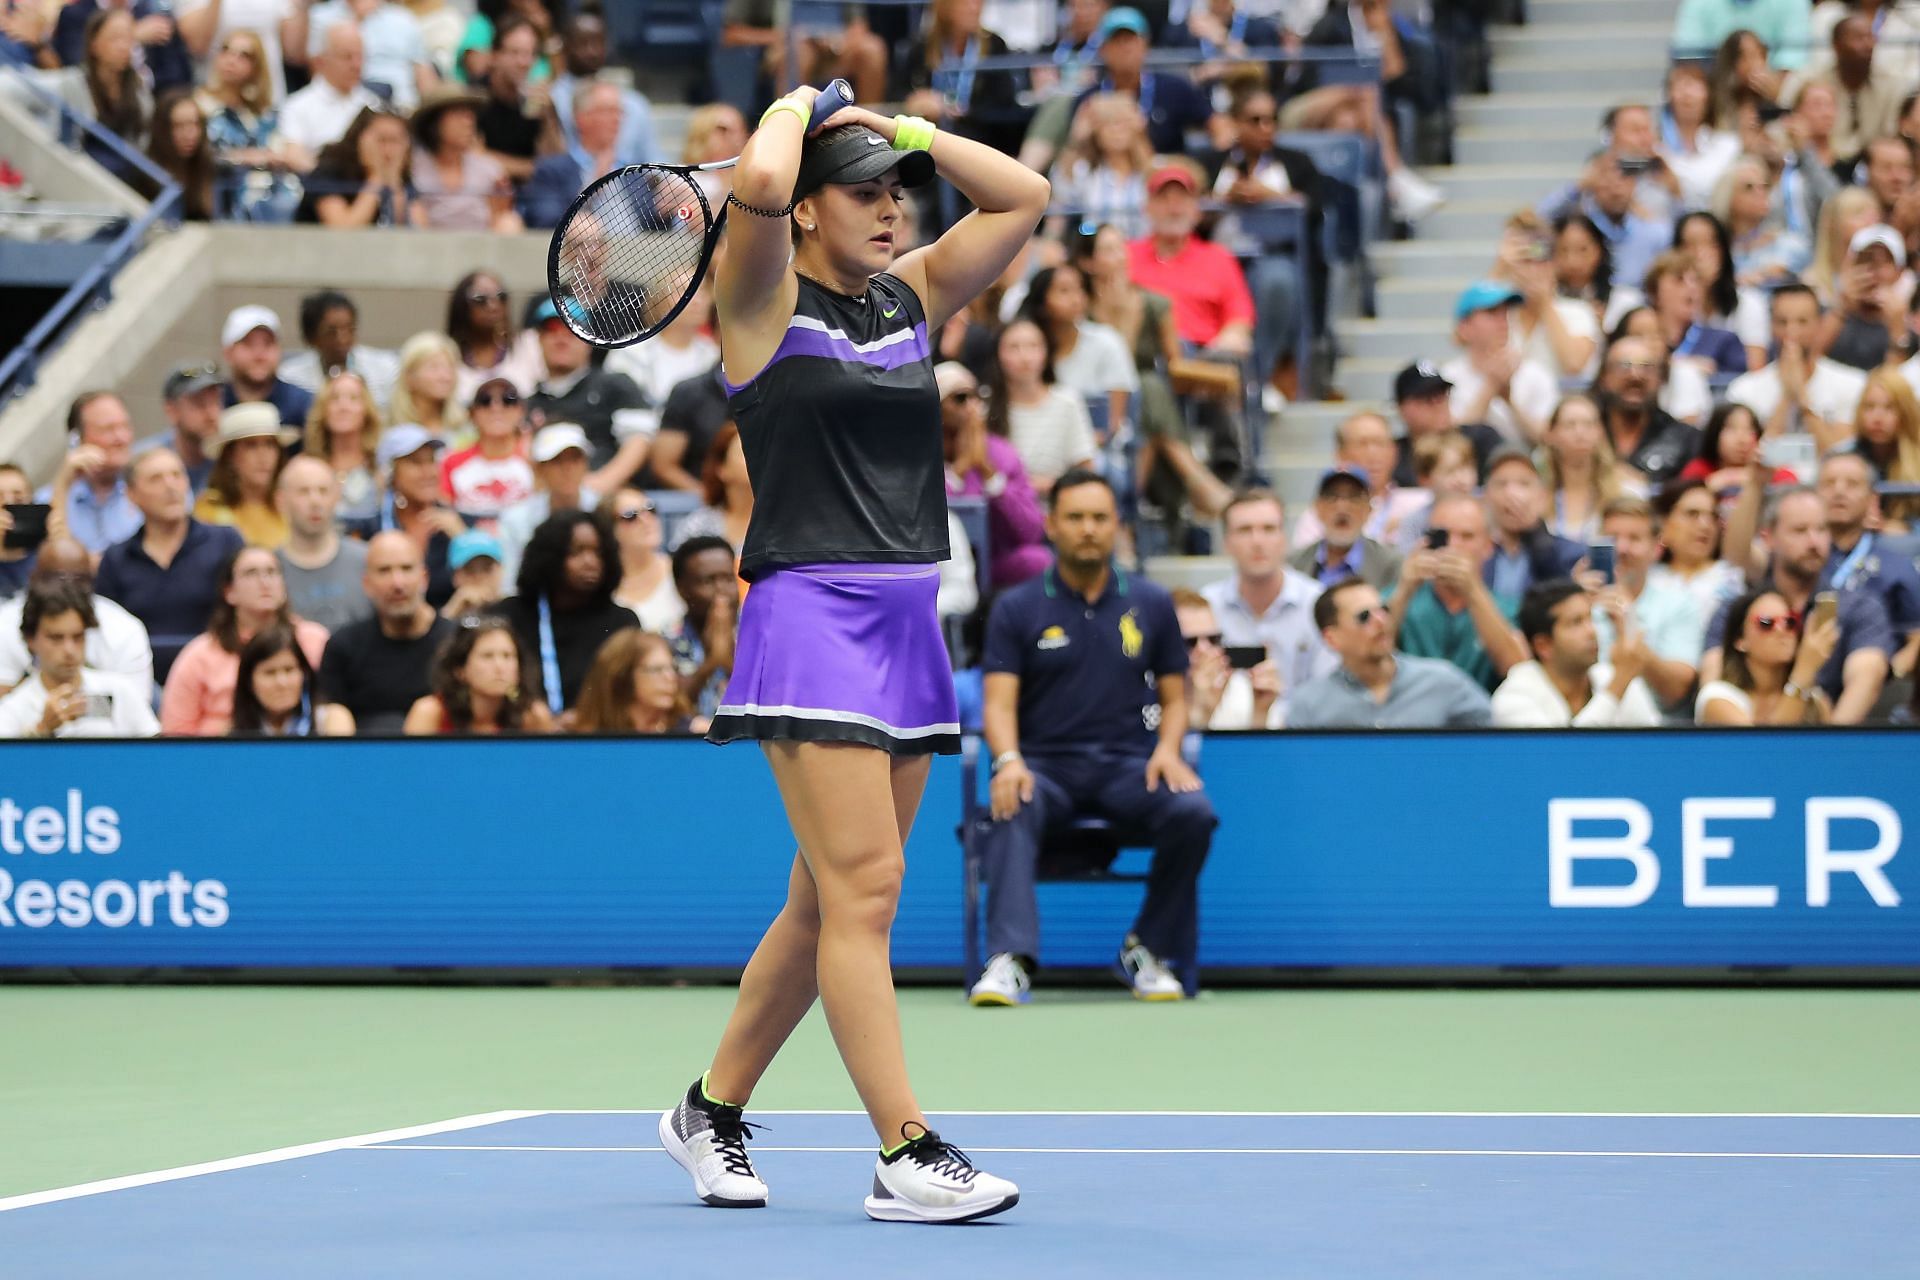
(1147, 974)
(934, 1181)
(1003, 982)
(710, 1143)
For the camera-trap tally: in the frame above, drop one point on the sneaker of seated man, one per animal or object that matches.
(1086, 707)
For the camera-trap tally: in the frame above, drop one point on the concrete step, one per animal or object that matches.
(1433, 259)
(1524, 144)
(1571, 43)
(1403, 339)
(1422, 299)
(1467, 220)
(1368, 380)
(1518, 184)
(1570, 13)
(1547, 110)
(1600, 73)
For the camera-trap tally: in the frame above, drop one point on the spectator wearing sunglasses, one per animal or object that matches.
(1375, 687)
(330, 326)
(1854, 670)
(1768, 672)
(1221, 696)
(491, 474)
(981, 464)
(480, 322)
(646, 574)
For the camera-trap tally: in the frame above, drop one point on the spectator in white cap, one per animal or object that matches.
(247, 450)
(409, 457)
(1492, 383)
(560, 453)
(1870, 320)
(250, 341)
(475, 558)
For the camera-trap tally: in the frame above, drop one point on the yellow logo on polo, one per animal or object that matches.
(1053, 638)
(1131, 640)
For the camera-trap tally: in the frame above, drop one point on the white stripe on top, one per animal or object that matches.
(878, 344)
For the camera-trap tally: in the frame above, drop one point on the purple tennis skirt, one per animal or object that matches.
(843, 653)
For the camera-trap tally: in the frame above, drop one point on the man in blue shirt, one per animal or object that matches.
(1172, 104)
(593, 152)
(1858, 560)
(88, 493)
(1605, 194)
(1086, 706)
(584, 46)
(1525, 551)
(166, 573)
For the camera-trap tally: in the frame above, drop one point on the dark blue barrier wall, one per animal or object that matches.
(1659, 849)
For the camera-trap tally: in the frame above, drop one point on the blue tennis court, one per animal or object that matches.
(523, 1193)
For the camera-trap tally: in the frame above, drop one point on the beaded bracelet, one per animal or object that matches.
(775, 214)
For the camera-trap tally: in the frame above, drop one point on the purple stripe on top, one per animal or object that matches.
(825, 346)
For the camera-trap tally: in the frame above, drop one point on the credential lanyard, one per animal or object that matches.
(550, 659)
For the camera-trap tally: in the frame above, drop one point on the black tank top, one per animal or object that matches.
(841, 433)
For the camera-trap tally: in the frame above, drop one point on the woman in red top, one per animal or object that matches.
(1727, 447)
(481, 685)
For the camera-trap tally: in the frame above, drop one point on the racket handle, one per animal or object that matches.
(837, 96)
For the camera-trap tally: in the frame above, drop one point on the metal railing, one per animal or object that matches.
(21, 366)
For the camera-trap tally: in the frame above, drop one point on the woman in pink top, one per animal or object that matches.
(198, 701)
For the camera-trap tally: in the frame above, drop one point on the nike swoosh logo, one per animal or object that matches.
(891, 311)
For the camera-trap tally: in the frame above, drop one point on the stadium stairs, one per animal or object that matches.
(1552, 81)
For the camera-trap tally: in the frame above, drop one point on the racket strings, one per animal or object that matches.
(629, 254)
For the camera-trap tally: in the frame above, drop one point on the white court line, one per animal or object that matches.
(1260, 1151)
(371, 1140)
(1257, 1115)
(264, 1157)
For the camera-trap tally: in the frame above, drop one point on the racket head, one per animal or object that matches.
(630, 252)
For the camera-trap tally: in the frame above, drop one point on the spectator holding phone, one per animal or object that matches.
(1376, 687)
(1663, 613)
(274, 693)
(117, 644)
(1870, 320)
(66, 698)
(1524, 550)
(1228, 688)
(1264, 605)
(1768, 674)
(1799, 544)
(21, 533)
(1445, 607)
(1564, 685)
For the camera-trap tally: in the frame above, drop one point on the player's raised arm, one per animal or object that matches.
(1008, 199)
(753, 276)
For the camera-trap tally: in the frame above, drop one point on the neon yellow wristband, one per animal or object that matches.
(912, 133)
(786, 104)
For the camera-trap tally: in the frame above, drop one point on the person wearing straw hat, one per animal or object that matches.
(460, 186)
(247, 451)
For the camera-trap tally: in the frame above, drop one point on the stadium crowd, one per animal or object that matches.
(1665, 473)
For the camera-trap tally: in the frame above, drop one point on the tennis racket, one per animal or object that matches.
(634, 246)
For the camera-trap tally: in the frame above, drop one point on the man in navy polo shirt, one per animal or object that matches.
(1086, 704)
(166, 574)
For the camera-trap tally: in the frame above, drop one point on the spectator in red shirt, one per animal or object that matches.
(1212, 307)
(492, 474)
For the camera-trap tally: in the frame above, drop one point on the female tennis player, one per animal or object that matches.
(840, 671)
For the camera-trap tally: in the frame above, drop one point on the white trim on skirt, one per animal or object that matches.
(838, 717)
